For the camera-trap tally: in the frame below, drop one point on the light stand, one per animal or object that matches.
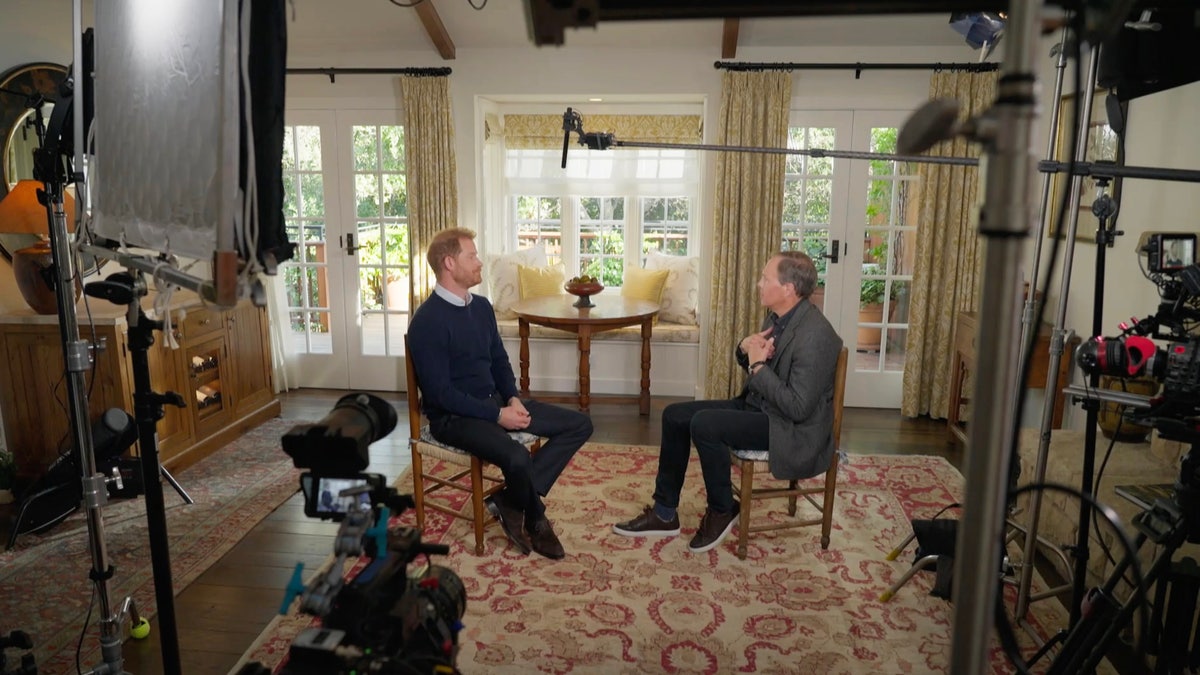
(48, 168)
(1029, 320)
(1005, 220)
(1057, 340)
(125, 289)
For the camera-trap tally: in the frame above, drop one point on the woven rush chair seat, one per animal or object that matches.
(751, 462)
(428, 486)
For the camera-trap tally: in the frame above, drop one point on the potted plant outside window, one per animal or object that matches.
(870, 308)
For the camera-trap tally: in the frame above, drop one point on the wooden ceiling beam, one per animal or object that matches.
(729, 38)
(436, 29)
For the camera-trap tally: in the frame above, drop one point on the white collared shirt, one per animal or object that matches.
(450, 297)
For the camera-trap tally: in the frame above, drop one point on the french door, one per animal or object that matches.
(857, 219)
(347, 208)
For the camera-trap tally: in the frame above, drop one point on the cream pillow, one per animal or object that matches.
(681, 296)
(644, 285)
(538, 282)
(502, 277)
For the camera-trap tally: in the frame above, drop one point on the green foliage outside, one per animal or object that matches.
(872, 291)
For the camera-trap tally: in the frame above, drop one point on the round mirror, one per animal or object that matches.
(17, 124)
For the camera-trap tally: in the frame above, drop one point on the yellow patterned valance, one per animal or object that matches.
(543, 132)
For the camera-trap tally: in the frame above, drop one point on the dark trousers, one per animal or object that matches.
(528, 478)
(714, 427)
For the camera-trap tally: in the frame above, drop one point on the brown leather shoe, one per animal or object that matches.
(648, 525)
(544, 541)
(713, 528)
(511, 519)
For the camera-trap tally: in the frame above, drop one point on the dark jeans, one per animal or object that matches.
(528, 478)
(715, 427)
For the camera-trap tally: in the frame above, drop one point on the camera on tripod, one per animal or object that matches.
(1171, 265)
(385, 619)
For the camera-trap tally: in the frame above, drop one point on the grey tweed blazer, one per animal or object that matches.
(796, 388)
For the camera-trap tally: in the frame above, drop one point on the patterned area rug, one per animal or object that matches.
(44, 587)
(619, 605)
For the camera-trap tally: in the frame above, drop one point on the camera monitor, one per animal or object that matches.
(1168, 252)
(323, 494)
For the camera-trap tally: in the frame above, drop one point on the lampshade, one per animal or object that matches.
(20, 212)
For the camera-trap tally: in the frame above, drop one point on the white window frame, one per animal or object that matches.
(572, 190)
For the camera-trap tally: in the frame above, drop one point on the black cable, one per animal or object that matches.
(86, 622)
(414, 3)
(1143, 591)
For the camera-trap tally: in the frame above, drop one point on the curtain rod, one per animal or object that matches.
(332, 73)
(857, 67)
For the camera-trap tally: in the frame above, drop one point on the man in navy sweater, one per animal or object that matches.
(470, 394)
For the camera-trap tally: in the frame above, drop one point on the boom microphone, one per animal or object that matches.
(933, 122)
(566, 135)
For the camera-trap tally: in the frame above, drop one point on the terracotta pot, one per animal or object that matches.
(870, 337)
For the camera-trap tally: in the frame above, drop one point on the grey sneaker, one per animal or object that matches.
(648, 525)
(713, 528)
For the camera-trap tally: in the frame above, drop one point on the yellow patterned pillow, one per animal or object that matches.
(537, 282)
(642, 284)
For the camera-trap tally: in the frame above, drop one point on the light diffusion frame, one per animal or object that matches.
(167, 131)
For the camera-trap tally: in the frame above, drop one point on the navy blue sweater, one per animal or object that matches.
(459, 358)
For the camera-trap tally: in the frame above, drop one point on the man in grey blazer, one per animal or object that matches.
(786, 408)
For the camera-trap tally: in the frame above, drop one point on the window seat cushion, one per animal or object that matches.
(662, 332)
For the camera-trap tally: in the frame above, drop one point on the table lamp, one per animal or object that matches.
(33, 266)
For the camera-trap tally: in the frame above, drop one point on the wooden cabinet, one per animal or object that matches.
(222, 369)
(1039, 371)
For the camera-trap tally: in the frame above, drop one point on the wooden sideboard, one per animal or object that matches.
(964, 362)
(222, 369)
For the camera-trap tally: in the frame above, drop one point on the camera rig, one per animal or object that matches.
(385, 619)
(1175, 413)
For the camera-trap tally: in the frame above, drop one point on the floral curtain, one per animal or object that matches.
(949, 252)
(747, 227)
(432, 186)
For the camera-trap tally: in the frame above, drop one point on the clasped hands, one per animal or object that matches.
(514, 416)
(758, 346)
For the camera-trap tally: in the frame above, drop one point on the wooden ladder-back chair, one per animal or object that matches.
(750, 462)
(467, 476)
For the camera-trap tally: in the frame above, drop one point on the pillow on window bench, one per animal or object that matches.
(641, 284)
(502, 277)
(681, 295)
(539, 282)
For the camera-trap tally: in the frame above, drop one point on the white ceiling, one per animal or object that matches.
(352, 25)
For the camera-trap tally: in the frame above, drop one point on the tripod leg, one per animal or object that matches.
(175, 484)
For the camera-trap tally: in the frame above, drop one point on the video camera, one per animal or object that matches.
(384, 620)
(1171, 265)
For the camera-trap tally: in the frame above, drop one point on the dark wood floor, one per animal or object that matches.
(223, 611)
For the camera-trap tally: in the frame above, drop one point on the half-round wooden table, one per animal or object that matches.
(610, 312)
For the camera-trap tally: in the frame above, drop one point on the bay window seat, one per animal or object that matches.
(662, 332)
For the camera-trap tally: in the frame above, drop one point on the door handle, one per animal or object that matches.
(832, 257)
(350, 247)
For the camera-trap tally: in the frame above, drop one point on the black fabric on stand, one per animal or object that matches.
(267, 73)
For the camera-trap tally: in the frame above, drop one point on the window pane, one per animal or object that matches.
(395, 195)
(308, 148)
(366, 195)
(366, 140)
(312, 195)
(666, 222)
(816, 201)
(392, 148)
